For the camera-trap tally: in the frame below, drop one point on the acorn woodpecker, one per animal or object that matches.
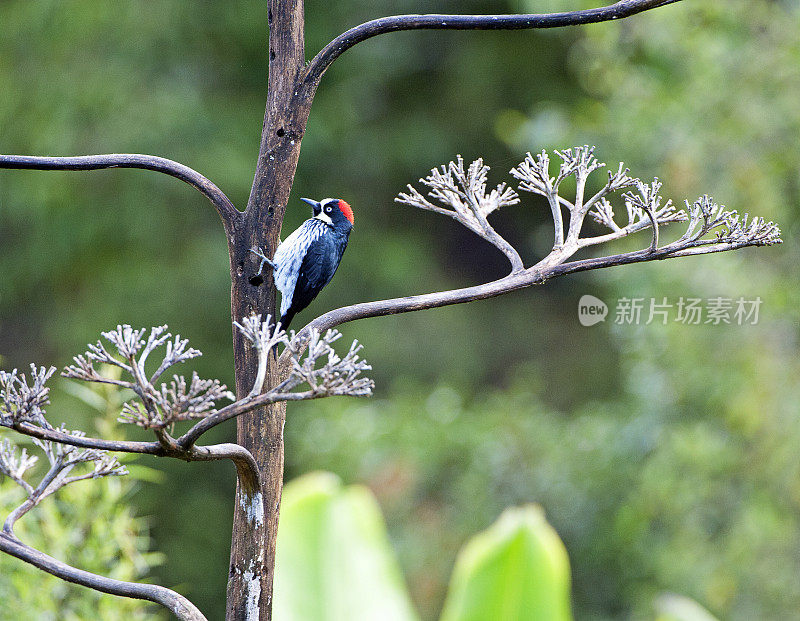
(307, 260)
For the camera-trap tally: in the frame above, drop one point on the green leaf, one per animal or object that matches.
(334, 561)
(672, 607)
(517, 570)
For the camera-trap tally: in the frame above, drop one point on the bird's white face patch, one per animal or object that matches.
(324, 218)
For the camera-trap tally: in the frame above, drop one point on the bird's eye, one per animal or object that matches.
(328, 209)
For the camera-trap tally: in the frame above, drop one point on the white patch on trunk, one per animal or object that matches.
(252, 589)
(253, 507)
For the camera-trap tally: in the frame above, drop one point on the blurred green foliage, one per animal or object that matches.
(335, 562)
(665, 456)
(91, 525)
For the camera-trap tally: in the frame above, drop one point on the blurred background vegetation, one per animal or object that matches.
(665, 456)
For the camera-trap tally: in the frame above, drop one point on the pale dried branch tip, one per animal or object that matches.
(175, 402)
(647, 200)
(533, 174)
(261, 334)
(461, 194)
(578, 161)
(705, 215)
(644, 206)
(128, 343)
(14, 465)
(63, 459)
(157, 407)
(336, 376)
(21, 401)
(68, 455)
(264, 336)
(24, 402)
(603, 213)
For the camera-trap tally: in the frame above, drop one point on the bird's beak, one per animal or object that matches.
(314, 205)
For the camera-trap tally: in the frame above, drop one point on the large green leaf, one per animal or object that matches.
(517, 570)
(334, 562)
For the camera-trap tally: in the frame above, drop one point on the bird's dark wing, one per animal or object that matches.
(318, 267)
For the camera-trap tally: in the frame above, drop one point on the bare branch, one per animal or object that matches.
(264, 336)
(245, 464)
(534, 175)
(120, 446)
(14, 465)
(175, 402)
(178, 605)
(227, 212)
(320, 63)
(63, 459)
(603, 213)
(705, 215)
(176, 354)
(616, 181)
(336, 376)
(158, 408)
(234, 410)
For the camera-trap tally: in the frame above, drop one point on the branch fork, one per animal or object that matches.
(74, 457)
(462, 195)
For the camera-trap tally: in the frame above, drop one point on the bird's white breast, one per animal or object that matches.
(289, 256)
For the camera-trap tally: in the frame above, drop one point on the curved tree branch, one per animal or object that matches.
(184, 446)
(375, 27)
(234, 410)
(225, 208)
(645, 208)
(536, 275)
(174, 602)
(120, 446)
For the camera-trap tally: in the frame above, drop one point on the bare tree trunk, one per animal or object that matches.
(261, 432)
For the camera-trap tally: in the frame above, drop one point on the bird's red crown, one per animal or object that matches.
(347, 211)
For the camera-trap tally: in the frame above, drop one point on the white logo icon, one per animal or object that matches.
(591, 310)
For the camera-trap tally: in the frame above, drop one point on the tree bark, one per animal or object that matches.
(261, 431)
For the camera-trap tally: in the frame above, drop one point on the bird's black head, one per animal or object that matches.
(332, 211)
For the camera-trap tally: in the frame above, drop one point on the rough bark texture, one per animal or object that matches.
(261, 432)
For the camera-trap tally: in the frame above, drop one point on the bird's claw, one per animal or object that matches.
(260, 254)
